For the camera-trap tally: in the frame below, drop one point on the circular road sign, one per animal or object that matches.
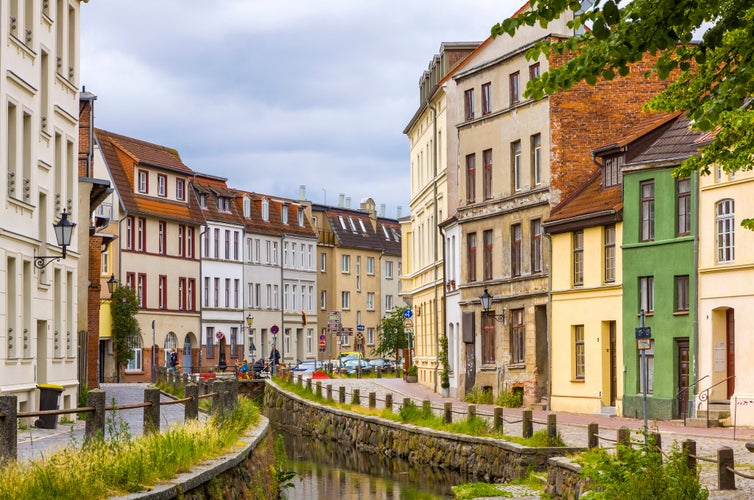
(274, 329)
(408, 313)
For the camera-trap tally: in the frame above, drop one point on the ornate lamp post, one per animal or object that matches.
(63, 234)
(252, 347)
(486, 300)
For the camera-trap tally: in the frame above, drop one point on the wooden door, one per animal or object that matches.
(730, 334)
(684, 367)
(613, 365)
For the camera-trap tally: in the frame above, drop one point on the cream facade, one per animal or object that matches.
(39, 63)
(726, 271)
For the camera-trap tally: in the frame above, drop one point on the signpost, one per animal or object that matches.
(643, 342)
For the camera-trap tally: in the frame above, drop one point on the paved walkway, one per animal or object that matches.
(33, 442)
(573, 428)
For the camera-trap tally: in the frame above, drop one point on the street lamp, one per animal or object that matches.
(63, 234)
(112, 284)
(252, 347)
(486, 300)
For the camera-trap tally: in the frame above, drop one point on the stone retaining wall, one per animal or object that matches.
(490, 459)
(563, 479)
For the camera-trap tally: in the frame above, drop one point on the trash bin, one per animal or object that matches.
(49, 399)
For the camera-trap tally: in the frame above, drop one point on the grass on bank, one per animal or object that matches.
(421, 417)
(105, 468)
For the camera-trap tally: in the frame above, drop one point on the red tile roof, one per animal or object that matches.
(274, 224)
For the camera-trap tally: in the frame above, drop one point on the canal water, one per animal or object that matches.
(329, 471)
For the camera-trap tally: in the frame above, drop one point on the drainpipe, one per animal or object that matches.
(434, 241)
(444, 289)
(282, 303)
(549, 323)
(695, 315)
(201, 298)
(120, 275)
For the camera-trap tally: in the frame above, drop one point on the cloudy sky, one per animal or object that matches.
(277, 94)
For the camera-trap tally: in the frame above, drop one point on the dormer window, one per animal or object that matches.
(143, 181)
(284, 214)
(223, 204)
(342, 222)
(353, 226)
(246, 207)
(203, 200)
(265, 210)
(363, 229)
(180, 189)
(612, 174)
(301, 216)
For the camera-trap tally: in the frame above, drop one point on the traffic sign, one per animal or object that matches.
(359, 336)
(274, 329)
(408, 313)
(322, 344)
(360, 328)
(643, 332)
(347, 331)
(408, 323)
(322, 337)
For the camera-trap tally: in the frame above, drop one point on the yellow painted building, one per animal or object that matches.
(726, 295)
(586, 300)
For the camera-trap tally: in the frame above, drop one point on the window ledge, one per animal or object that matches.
(681, 313)
(578, 380)
(516, 366)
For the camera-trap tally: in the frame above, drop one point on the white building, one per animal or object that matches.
(39, 88)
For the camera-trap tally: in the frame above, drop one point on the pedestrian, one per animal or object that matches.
(173, 360)
(244, 370)
(274, 359)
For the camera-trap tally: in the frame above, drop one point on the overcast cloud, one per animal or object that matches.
(276, 94)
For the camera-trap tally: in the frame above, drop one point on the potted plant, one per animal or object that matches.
(445, 373)
(412, 374)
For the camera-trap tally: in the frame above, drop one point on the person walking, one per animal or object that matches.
(173, 361)
(274, 359)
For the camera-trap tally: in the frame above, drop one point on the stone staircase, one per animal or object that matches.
(718, 413)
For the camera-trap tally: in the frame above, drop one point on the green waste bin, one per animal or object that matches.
(49, 399)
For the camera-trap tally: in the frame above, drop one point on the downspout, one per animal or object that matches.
(434, 238)
(695, 314)
(201, 289)
(549, 323)
(282, 302)
(120, 275)
(444, 288)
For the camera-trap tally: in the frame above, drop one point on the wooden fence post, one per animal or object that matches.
(427, 408)
(329, 392)
(152, 413)
(389, 401)
(342, 394)
(95, 421)
(471, 410)
(217, 396)
(8, 428)
(592, 441)
(191, 408)
(689, 451)
(528, 428)
(448, 411)
(552, 426)
(356, 399)
(319, 388)
(372, 399)
(497, 418)
(726, 480)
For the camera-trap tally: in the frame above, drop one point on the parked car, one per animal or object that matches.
(306, 366)
(351, 365)
(382, 364)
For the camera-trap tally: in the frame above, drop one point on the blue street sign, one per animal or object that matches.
(408, 313)
(643, 332)
(360, 328)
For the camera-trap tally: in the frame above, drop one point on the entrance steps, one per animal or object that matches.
(608, 411)
(716, 415)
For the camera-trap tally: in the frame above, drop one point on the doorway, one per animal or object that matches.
(730, 336)
(187, 346)
(684, 370)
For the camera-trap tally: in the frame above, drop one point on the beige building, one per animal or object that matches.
(39, 64)
(434, 198)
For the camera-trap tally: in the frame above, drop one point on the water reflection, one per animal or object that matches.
(329, 470)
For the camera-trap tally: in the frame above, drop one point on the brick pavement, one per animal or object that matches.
(573, 428)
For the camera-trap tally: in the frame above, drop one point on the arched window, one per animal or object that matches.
(135, 363)
(246, 207)
(725, 229)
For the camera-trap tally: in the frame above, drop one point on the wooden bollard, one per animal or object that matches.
(389, 401)
(527, 430)
(308, 385)
(406, 402)
(497, 419)
(656, 439)
(689, 451)
(299, 380)
(319, 389)
(342, 394)
(329, 392)
(426, 408)
(356, 399)
(726, 480)
(152, 412)
(448, 412)
(191, 408)
(372, 399)
(552, 426)
(95, 421)
(379, 372)
(471, 412)
(592, 441)
(624, 436)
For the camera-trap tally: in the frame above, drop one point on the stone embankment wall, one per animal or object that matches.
(490, 459)
(563, 479)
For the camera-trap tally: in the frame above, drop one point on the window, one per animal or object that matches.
(518, 336)
(105, 260)
(725, 231)
(471, 253)
(181, 240)
(284, 214)
(216, 243)
(649, 374)
(322, 262)
(162, 238)
(234, 342)
(203, 200)
(217, 293)
(578, 258)
(309, 341)
(488, 254)
(209, 342)
(345, 263)
(578, 352)
(514, 87)
(323, 300)
(682, 293)
(388, 303)
(388, 269)
(163, 292)
(130, 233)
(345, 300)
(533, 71)
(162, 185)
(191, 295)
(181, 294)
(370, 336)
(141, 234)
(646, 294)
(468, 104)
(206, 292)
(536, 246)
(265, 210)
(609, 238)
(135, 363)
(487, 98)
(488, 338)
(370, 301)
(613, 174)
(227, 292)
(516, 250)
(236, 245)
(536, 159)
(470, 178)
(180, 189)
(647, 189)
(206, 242)
(370, 265)
(143, 181)
(487, 182)
(246, 207)
(516, 165)
(683, 206)
(141, 290)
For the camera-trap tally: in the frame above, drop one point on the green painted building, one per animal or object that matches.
(659, 275)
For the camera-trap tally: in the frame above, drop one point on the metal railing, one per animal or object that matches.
(704, 398)
(688, 393)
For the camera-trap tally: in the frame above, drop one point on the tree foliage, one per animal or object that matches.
(124, 306)
(392, 334)
(715, 79)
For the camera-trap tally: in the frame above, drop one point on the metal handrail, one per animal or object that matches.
(704, 397)
(688, 392)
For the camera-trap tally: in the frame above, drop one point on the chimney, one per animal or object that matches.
(341, 200)
(398, 212)
(382, 210)
(302, 192)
